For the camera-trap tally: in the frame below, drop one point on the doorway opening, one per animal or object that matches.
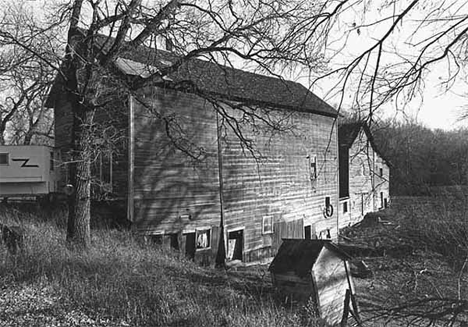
(235, 245)
(189, 239)
(308, 232)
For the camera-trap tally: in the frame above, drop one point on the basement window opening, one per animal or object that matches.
(325, 234)
(156, 239)
(203, 239)
(4, 159)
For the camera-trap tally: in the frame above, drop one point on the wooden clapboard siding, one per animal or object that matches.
(279, 183)
(63, 121)
(381, 183)
(112, 120)
(329, 274)
(63, 124)
(365, 182)
(172, 192)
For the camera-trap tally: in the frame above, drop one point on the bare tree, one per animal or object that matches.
(406, 39)
(25, 78)
(276, 37)
(270, 35)
(382, 53)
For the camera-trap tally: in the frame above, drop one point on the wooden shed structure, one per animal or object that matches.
(316, 269)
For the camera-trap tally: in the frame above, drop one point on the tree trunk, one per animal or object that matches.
(78, 230)
(28, 138)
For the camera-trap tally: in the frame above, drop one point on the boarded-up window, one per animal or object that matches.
(4, 159)
(203, 239)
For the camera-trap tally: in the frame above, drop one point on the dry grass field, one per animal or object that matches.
(421, 279)
(121, 281)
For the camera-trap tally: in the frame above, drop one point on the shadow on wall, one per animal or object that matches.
(176, 182)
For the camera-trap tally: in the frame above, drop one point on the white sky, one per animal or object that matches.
(439, 109)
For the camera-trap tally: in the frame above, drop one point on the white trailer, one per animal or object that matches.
(28, 170)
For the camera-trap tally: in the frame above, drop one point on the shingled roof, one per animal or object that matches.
(347, 134)
(214, 79)
(222, 81)
(300, 255)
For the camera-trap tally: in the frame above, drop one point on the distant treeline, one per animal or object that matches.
(422, 158)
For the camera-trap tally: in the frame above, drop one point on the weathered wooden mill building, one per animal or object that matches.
(364, 174)
(286, 185)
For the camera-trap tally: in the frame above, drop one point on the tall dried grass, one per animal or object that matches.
(122, 279)
(438, 223)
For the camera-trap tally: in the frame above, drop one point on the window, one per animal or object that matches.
(105, 172)
(312, 167)
(203, 239)
(4, 159)
(156, 239)
(345, 207)
(381, 172)
(267, 225)
(381, 200)
(51, 161)
(325, 234)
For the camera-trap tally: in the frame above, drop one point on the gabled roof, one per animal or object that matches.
(300, 255)
(226, 82)
(347, 134)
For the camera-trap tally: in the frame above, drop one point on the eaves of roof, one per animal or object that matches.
(219, 80)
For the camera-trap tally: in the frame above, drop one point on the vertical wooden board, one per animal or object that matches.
(364, 178)
(292, 229)
(215, 235)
